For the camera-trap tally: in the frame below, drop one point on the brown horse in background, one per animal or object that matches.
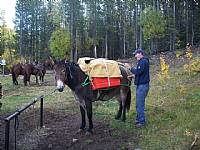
(26, 70)
(30, 69)
(42, 69)
(16, 70)
(48, 64)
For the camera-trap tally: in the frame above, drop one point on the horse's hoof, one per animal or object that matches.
(80, 131)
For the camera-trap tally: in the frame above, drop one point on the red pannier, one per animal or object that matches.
(105, 82)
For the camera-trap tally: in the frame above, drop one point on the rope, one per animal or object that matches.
(123, 84)
(45, 95)
(107, 72)
(86, 82)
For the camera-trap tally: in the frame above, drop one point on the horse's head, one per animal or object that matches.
(59, 70)
(66, 73)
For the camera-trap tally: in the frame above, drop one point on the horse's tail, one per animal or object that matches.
(128, 99)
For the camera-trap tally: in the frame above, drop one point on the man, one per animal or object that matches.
(142, 80)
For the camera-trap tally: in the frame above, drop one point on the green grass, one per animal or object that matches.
(16, 97)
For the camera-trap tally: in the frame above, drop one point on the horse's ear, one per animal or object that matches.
(51, 60)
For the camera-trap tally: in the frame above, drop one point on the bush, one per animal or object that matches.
(193, 67)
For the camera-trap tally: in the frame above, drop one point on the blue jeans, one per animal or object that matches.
(141, 93)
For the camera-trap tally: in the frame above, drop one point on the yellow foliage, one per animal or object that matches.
(187, 133)
(164, 74)
(193, 67)
(189, 54)
(182, 89)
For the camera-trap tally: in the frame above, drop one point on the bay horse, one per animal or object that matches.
(26, 70)
(31, 69)
(42, 71)
(48, 63)
(70, 74)
(16, 70)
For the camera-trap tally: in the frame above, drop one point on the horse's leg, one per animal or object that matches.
(83, 123)
(36, 77)
(88, 104)
(14, 78)
(16, 82)
(25, 80)
(28, 79)
(42, 78)
(123, 101)
(119, 113)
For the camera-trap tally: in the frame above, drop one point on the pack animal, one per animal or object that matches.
(70, 74)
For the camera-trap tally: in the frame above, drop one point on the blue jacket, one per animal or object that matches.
(141, 72)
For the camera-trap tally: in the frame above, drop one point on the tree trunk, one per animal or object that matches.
(192, 22)
(94, 31)
(136, 24)
(106, 45)
(174, 23)
(187, 21)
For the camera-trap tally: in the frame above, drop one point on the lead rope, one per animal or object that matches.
(86, 82)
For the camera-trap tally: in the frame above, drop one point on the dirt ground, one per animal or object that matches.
(60, 132)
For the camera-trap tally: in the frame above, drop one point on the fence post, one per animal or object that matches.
(1, 94)
(7, 134)
(41, 112)
(1, 91)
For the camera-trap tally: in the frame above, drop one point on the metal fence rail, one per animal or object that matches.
(15, 116)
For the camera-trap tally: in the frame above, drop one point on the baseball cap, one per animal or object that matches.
(138, 51)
